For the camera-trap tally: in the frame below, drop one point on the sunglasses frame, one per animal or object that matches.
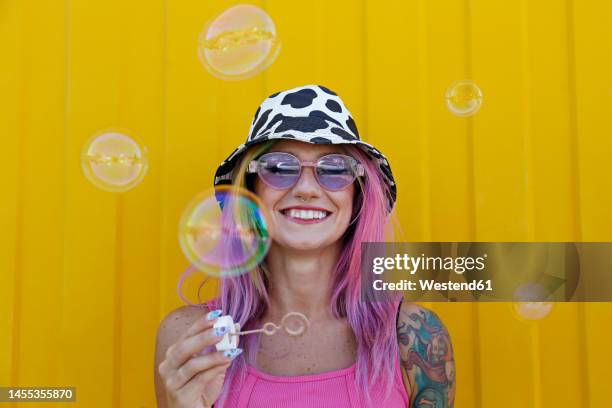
(359, 171)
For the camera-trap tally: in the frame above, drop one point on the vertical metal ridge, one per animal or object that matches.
(573, 121)
(364, 68)
(19, 196)
(527, 122)
(575, 187)
(477, 352)
(118, 302)
(583, 350)
(423, 120)
(65, 170)
(470, 125)
(120, 117)
(163, 207)
(536, 368)
(472, 236)
(264, 77)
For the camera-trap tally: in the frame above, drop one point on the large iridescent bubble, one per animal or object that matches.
(225, 231)
(114, 162)
(239, 43)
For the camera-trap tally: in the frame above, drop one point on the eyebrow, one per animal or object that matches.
(296, 155)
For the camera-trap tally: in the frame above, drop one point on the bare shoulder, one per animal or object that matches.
(170, 330)
(426, 356)
(408, 308)
(174, 325)
(179, 320)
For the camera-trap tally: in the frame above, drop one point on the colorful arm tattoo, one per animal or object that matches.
(427, 356)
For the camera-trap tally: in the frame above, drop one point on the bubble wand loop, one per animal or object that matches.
(270, 328)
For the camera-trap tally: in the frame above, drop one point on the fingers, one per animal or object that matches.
(193, 389)
(184, 366)
(196, 367)
(186, 347)
(203, 323)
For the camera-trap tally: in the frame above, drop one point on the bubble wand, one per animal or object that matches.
(299, 322)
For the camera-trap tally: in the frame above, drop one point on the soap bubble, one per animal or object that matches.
(531, 292)
(239, 43)
(225, 242)
(530, 303)
(114, 162)
(463, 98)
(532, 310)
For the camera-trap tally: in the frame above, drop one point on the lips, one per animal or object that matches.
(305, 215)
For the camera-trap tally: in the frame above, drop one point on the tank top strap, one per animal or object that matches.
(399, 306)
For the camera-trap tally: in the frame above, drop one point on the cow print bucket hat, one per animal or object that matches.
(311, 114)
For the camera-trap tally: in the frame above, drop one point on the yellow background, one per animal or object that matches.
(87, 275)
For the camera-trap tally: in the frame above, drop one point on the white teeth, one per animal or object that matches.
(306, 214)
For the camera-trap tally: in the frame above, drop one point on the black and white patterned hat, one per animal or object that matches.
(311, 114)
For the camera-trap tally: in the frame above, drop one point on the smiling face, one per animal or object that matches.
(307, 216)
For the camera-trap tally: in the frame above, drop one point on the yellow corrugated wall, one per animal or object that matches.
(87, 275)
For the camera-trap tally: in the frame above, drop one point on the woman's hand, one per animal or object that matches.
(192, 380)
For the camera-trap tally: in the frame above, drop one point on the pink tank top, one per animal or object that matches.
(333, 389)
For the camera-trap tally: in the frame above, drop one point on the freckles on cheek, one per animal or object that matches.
(265, 194)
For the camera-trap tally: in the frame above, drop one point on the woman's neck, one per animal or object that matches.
(301, 281)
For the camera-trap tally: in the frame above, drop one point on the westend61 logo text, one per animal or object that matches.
(413, 264)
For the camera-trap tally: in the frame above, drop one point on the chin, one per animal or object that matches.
(306, 244)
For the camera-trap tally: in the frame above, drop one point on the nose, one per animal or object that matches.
(307, 186)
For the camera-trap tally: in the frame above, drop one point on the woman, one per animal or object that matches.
(326, 191)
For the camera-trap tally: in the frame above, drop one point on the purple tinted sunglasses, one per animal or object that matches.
(282, 170)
